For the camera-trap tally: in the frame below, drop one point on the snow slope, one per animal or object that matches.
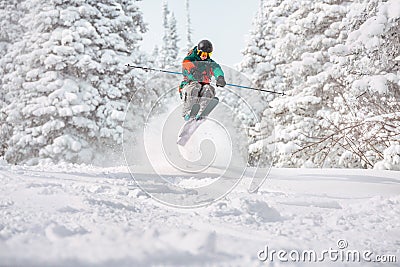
(87, 216)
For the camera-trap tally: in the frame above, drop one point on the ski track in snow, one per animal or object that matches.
(88, 216)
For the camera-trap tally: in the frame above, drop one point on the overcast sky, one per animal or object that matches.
(225, 23)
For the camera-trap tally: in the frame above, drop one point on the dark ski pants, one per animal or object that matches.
(195, 92)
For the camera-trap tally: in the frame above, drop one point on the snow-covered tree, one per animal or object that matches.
(165, 13)
(261, 58)
(155, 56)
(365, 123)
(69, 78)
(189, 42)
(291, 49)
(10, 32)
(256, 49)
(304, 41)
(10, 29)
(258, 63)
(169, 49)
(320, 53)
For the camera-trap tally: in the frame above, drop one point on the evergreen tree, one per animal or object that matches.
(69, 77)
(166, 57)
(302, 48)
(337, 62)
(171, 46)
(365, 121)
(10, 33)
(10, 29)
(165, 13)
(296, 38)
(189, 42)
(169, 49)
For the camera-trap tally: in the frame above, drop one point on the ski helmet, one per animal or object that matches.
(205, 46)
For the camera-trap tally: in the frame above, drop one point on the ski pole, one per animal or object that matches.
(257, 89)
(151, 69)
(180, 73)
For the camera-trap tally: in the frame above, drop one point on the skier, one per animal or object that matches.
(198, 69)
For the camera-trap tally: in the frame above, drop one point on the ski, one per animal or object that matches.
(190, 127)
(195, 109)
(210, 107)
(185, 128)
(193, 112)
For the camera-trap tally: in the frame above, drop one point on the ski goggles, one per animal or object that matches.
(203, 54)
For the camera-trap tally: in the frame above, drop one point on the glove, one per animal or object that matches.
(221, 81)
(181, 95)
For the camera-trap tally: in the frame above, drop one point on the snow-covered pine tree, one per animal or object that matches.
(165, 13)
(11, 32)
(305, 40)
(256, 50)
(154, 56)
(364, 126)
(258, 64)
(169, 49)
(189, 42)
(163, 55)
(260, 57)
(254, 56)
(171, 46)
(166, 57)
(340, 68)
(298, 37)
(70, 79)
(10, 29)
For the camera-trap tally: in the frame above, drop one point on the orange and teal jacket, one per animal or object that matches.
(192, 64)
